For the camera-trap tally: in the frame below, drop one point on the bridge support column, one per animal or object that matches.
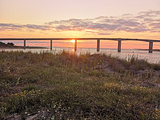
(24, 44)
(98, 45)
(150, 47)
(50, 44)
(119, 45)
(75, 45)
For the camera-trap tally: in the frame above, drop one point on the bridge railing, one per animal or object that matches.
(119, 40)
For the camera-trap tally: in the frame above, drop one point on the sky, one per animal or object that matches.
(80, 18)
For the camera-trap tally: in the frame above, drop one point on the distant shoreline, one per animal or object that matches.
(21, 47)
(148, 50)
(12, 46)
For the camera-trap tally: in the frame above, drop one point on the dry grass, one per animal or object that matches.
(78, 87)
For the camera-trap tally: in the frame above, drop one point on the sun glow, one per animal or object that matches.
(72, 41)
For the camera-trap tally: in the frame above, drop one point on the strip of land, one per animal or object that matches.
(148, 49)
(8, 46)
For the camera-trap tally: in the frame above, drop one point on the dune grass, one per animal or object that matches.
(78, 87)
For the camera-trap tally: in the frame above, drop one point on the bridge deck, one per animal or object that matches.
(98, 41)
(116, 39)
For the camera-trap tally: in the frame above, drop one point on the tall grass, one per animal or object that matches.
(78, 87)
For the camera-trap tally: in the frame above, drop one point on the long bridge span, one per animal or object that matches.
(119, 40)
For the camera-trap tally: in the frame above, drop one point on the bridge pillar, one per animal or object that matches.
(98, 45)
(75, 45)
(24, 44)
(150, 47)
(119, 45)
(50, 44)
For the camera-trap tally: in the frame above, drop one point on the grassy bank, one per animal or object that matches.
(66, 86)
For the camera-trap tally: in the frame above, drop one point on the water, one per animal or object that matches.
(129, 48)
(124, 54)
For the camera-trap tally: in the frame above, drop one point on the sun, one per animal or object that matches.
(72, 41)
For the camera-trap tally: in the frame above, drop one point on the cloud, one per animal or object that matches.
(8, 26)
(155, 25)
(5, 26)
(38, 27)
(103, 26)
(148, 14)
(142, 22)
(146, 21)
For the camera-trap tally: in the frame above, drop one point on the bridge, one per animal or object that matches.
(119, 40)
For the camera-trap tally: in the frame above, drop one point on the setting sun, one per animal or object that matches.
(73, 41)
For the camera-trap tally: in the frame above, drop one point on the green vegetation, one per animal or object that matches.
(11, 45)
(6, 45)
(68, 86)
